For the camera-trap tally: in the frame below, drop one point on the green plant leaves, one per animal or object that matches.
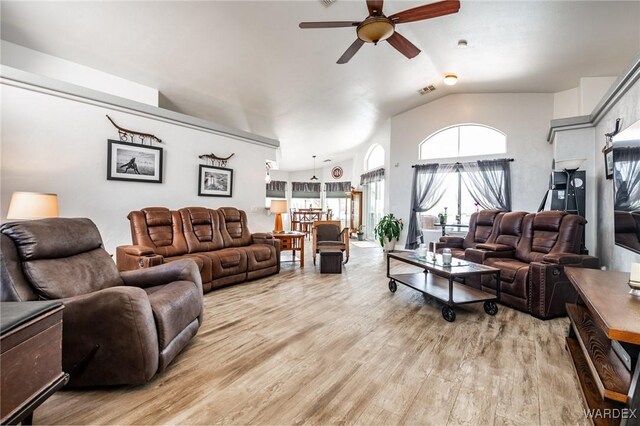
(388, 227)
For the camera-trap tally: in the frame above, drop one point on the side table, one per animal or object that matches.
(30, 357)
(292, 241)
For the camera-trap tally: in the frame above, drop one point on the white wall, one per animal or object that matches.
(580, 143)
(583, 99)
(40, 63)
(612, 256)
(524, 118)
(53, 144)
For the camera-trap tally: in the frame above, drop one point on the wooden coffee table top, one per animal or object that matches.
(606, 294)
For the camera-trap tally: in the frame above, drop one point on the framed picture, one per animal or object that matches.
(608, 162)
(215, 181)
(133, 162)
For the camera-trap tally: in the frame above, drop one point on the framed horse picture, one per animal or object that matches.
(134, 162)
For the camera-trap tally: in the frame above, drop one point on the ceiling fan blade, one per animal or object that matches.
(335, 24)
(348, 54)
(375, 7)
(427, 11)
(403, 45)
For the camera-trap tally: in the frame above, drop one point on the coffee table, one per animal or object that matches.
(437, 281)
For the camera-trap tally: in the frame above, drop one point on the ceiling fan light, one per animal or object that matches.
(450, 79)
(375, 29)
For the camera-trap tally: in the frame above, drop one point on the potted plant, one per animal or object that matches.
(387, 231)
(442, 217)
(360, 233)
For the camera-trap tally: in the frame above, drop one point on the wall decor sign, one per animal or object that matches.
(127, 135)
(337, 172)
(214, 160)
(134, 162)
(215, 181)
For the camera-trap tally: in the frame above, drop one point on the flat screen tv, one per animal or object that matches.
(626, 187)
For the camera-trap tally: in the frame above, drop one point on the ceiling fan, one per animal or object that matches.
(378, 27)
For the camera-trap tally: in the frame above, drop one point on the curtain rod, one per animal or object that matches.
(457, 163)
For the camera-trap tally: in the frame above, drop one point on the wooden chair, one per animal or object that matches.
(327, 235)
(295, 221)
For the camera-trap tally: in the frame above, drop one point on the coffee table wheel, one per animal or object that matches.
(490, 308)
(393, 286)
(448, 313)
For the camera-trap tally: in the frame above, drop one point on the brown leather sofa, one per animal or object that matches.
(119, 328)
(481, 230)
(531, 252)
(219, 241)
(627, 229)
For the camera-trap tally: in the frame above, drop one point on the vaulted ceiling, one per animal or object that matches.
(246, 64)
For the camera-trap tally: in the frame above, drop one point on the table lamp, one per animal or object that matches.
(278, 207)
(32, 205)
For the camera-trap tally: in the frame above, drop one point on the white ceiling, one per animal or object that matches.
(246, 64)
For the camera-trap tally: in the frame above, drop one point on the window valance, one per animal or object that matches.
(337, 189)
(372, 176)
(277, 189)
(305, 189)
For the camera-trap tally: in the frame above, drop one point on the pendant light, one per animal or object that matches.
(314, 169)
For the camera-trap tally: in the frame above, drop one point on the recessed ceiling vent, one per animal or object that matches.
(327, 3)
(430, 88)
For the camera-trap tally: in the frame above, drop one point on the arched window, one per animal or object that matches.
(375, 157)
(463, 140)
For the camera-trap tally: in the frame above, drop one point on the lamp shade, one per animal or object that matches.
(573, 164)
(32, 205)
(279, 206)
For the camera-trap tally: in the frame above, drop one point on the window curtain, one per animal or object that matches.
(277, 189)
(336, 189)
(372, 176)
(426, 190)
(305, 189)
(627, 178)
(489, 183)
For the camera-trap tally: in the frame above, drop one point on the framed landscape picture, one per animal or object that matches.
(608, 162)
(134, 162)
(215, 181)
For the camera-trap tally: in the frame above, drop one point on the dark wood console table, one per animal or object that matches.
(30, 358)
(604, 343)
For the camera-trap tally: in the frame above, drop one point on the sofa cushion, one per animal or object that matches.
(509, 268)
(233, 227)
(174, 307)
(56, 249)
(160, 229)
(53, 238)
(228, 261)
(201, 229)
(203, 262)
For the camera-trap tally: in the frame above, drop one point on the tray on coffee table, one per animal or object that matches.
(438, 281)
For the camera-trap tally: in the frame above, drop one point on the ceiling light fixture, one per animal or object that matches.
(314, 169)
(462, 44)
(375, 29)
(450, 79)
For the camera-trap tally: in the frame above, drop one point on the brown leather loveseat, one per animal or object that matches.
(481, 230)
(219, 241)
(119, 328)
(532, 258)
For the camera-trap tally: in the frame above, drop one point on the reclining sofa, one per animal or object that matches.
(118, 328)
(219, 241)
(531, 250)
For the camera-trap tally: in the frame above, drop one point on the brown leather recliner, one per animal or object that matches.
(481, 230)
(627, 229)
(532, 278)
(119, 328)
(218, 240)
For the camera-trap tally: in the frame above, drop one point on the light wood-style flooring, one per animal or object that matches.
(301, 347)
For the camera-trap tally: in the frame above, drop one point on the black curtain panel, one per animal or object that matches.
(277, 189)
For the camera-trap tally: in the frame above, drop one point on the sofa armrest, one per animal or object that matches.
(572, 259)
(109, 338)
(131, 258)
(451, 242)
(267, 238)
(479, 256)
(178, 270)
(494, 247)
